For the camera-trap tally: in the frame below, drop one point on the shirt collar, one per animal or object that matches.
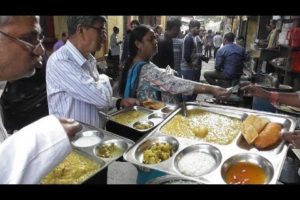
(78, 57)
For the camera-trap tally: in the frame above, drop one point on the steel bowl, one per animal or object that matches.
(143, 125)
(197, 160)
(251, 158)
(117, 151)
(87, 138)
(168, 109)
(139, 153)
(157, 116)
(171, 180)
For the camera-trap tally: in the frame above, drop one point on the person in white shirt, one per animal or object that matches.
(32, 152)
(217, 41)
(115, 52)
(74, 87)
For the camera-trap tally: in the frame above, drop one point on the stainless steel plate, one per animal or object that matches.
(89, 152)
(75, 169)
(275, 156)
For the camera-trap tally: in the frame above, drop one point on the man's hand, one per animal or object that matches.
(254, 90)
(221, 93)
(293, 138)
(129, 102)
(70, 125)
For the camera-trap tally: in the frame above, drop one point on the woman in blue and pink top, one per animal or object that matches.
(142, 79)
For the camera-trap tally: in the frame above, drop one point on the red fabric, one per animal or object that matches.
(296, 61)
(294, 37)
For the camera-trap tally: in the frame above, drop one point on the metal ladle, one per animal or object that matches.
(184, 110)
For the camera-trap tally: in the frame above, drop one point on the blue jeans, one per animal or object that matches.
(193, 75)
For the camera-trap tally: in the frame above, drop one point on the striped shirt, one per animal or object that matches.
(74, 87)
(3, 133)
(177, 50)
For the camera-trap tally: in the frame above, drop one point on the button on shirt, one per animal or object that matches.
(229, 59)
(74, 87)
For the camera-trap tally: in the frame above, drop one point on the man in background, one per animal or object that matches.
(217, 41)
(229, 62)
(115, 52)
(170, 46)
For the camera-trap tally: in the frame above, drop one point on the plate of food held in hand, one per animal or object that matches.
(153, 105)
(296, 109)
(287, 109)
(260, 132)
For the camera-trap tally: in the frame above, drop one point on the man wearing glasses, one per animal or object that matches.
(74, 87)
(27, 155)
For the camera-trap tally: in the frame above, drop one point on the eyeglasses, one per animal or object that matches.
(31, 42)
(101, 31)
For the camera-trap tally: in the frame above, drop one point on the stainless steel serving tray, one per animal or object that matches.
(217, 155)
(89, 151)
(154, 117)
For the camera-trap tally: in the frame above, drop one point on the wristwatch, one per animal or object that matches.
(118, 104)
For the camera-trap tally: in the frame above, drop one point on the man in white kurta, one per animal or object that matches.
(35, 150)
(32, 152)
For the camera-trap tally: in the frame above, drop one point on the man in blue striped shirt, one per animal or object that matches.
(74, 87)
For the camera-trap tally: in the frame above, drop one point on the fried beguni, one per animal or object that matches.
(269, 136)
(154, 105)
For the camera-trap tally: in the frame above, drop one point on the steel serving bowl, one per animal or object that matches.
(87, 138)
(172, 180)
(198, 160)
(146, 145)
(110, 148)
(254, 159)
(157, 115)
(143, 125)
(168, 109)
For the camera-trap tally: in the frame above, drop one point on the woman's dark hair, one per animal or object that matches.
(137, 34)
